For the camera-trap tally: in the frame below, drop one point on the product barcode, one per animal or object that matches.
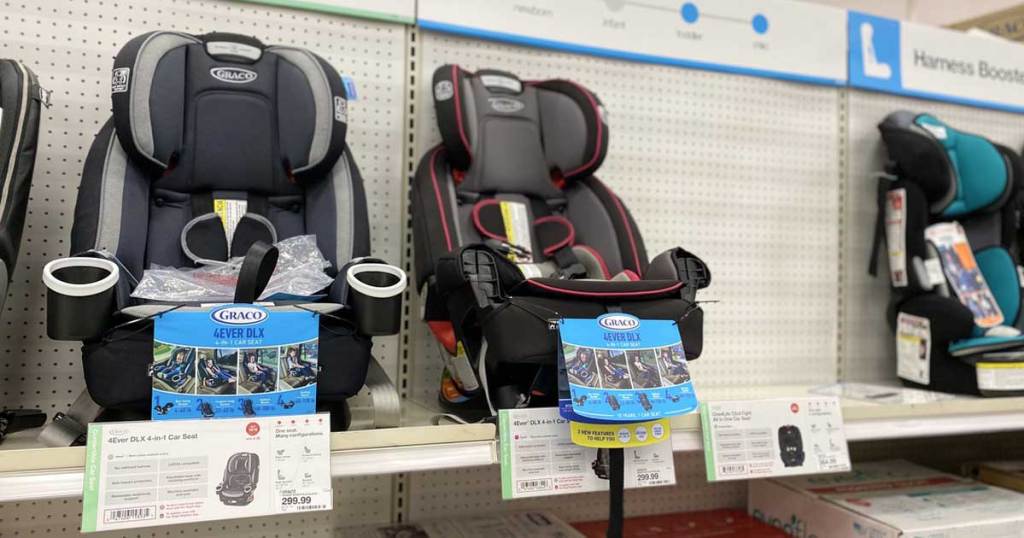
(732, 468)
(311, 507)
(122, 515)
(533, 485)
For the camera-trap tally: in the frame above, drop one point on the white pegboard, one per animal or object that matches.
(477, 490)
(742, 171)
(867, 347)
(70, 44)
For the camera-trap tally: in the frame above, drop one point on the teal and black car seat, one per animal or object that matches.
(970, 314)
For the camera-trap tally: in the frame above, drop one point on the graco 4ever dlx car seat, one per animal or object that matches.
(949, 212)
(512, 230)
(219, 119)
(241, 476)
(21, 102)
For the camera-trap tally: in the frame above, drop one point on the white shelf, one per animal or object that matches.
(29, 472)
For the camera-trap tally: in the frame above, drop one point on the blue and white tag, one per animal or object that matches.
(619, 368)
(238, 360)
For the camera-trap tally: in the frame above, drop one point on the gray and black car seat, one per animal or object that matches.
(241, 476)
(211, 117)
(939, 174)
(516, 152)
(21, 98)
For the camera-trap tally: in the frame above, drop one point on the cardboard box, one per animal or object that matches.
(1005, 474)
(706, 524)
(887, 499)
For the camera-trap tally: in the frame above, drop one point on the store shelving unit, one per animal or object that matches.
(30, 472)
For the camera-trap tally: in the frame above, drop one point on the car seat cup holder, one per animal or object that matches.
(80, 297)
(375, 295)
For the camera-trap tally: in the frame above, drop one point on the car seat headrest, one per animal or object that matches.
(231, 111)
(509, 135)
(959, 173)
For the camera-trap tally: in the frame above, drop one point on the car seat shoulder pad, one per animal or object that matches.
(510, 135)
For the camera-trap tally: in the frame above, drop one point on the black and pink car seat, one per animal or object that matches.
(517, 158)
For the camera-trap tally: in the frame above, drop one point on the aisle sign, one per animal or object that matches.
(768, 38)
(144, 474)
(774, 437)
(935, 63)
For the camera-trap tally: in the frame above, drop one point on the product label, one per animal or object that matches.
(119, 80)
(776, 437)
(913, 348)
(141, 474)
(230, 212)
(933, 268)
(1000, 375)
(962, 272)
(619, 368)
(238, 360)
(538, 458)
(619, 435)
(518, 228)
(460, 370)
(895, 235)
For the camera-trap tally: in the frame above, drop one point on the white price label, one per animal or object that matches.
(776, 437)
(538, 458)
(141, 474)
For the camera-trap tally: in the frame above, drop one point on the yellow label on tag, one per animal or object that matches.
(619, 435)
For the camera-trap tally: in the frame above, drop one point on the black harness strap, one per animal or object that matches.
(879, 237)
(257, 268)
(569, 266)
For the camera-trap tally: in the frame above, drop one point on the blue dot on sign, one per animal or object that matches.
(690, 12)
(760, 23)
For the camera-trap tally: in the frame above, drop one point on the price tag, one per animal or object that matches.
(776, 437)
(538, 458)
(142, 474)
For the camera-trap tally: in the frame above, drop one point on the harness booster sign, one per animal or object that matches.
(238, 360)
(621, 368)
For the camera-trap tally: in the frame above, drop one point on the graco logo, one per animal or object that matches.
(444, 90)
(504, 104)
(239, 315)
(234, 75)
(619, 322)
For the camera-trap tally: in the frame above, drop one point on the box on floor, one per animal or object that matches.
(887, 499)
(706, 524)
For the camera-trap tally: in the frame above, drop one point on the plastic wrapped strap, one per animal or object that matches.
(299, 275)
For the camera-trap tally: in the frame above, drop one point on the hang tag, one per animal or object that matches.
(230, 212)
(895, 235)
(963, 274)
(774, 437)
(913, 348)
(144, 474)
(538, 458)
(620, 368)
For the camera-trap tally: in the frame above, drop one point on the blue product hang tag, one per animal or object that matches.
(238, 360)
(619, 368)
(350, 88)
